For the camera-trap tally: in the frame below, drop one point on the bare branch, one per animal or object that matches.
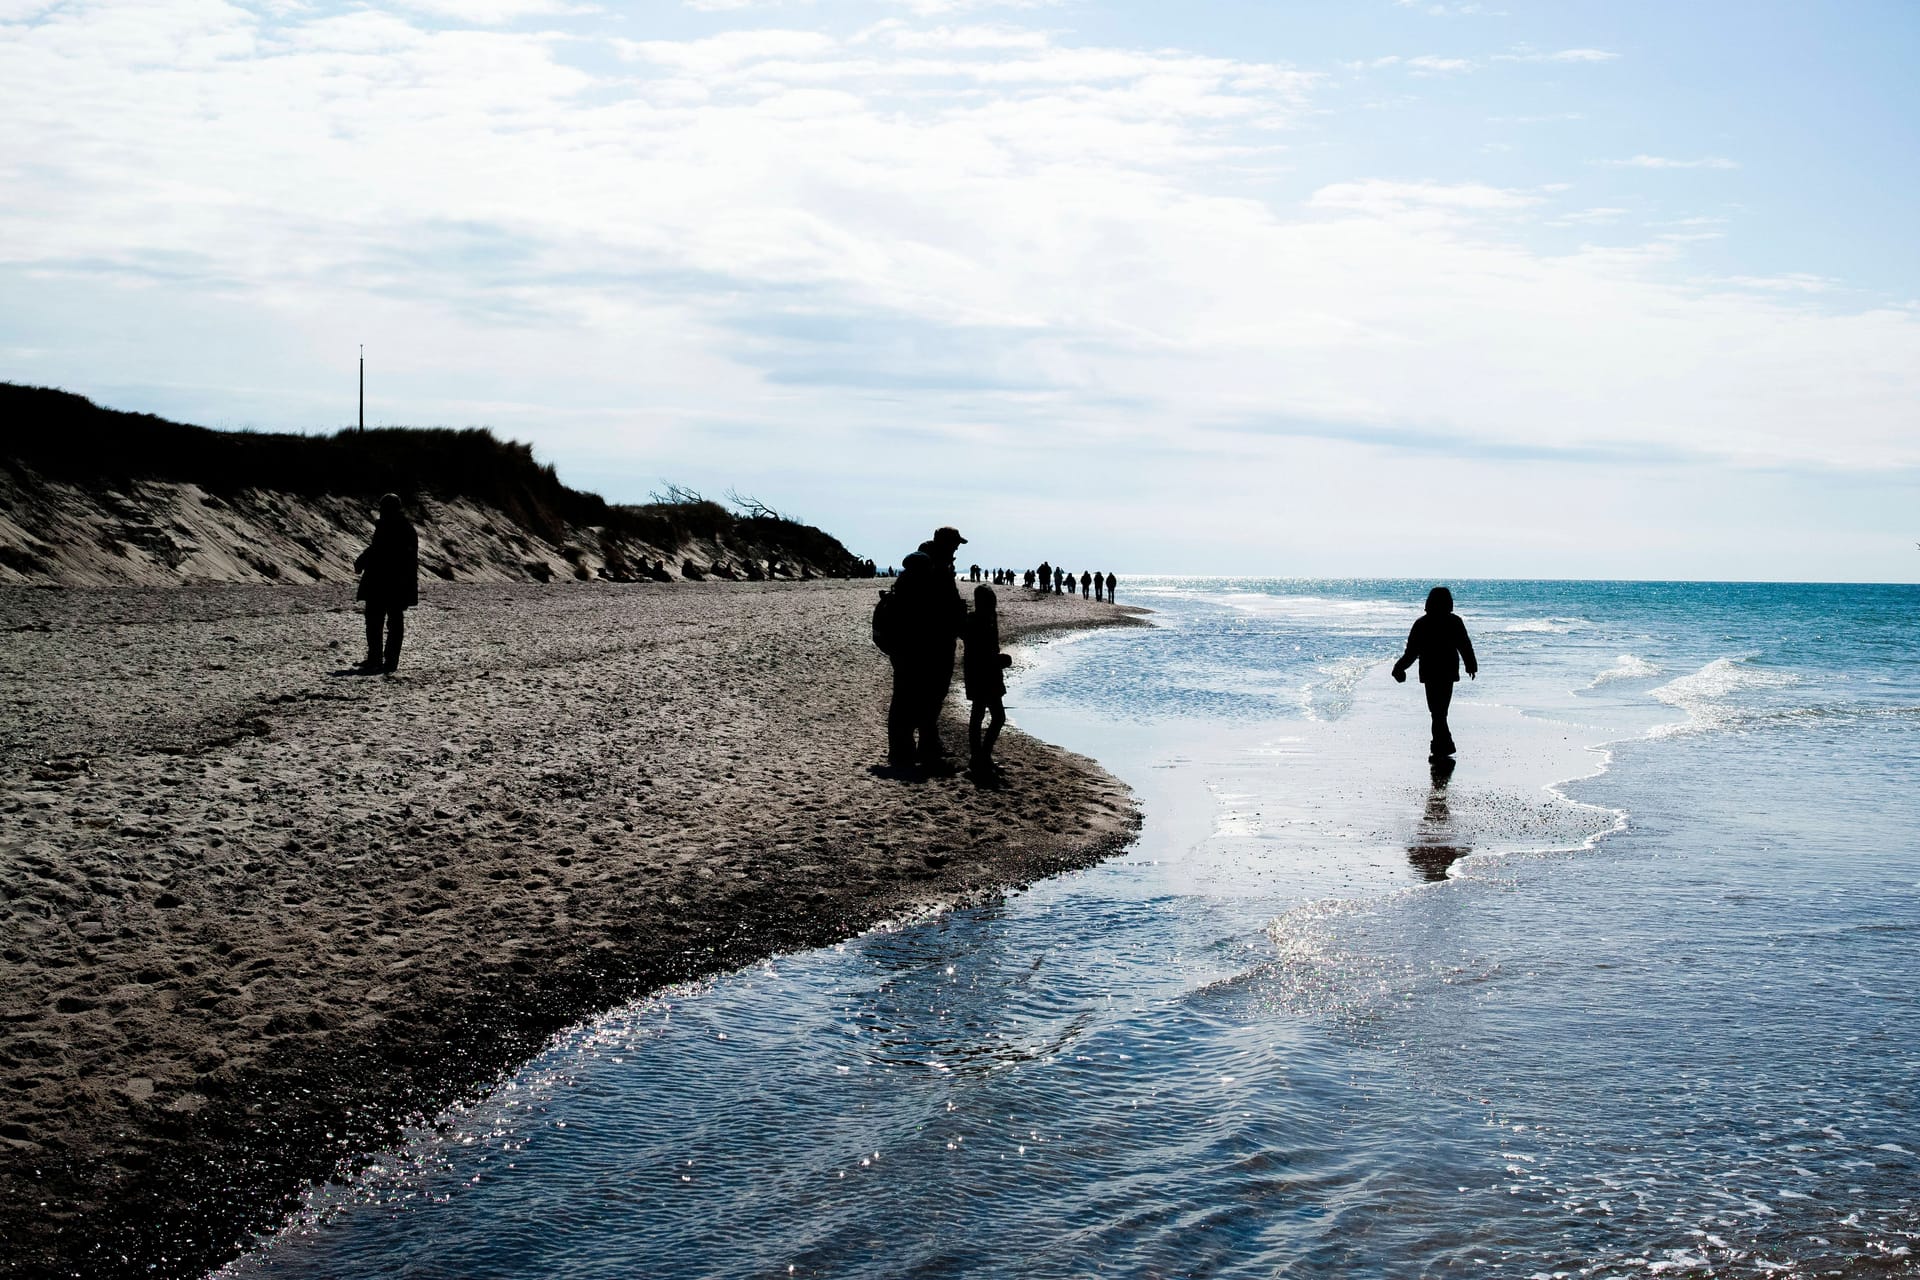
(675, 495)
(752, 507)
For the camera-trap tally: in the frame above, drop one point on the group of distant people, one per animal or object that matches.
(1048, 580)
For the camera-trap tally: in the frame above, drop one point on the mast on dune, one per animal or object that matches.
(363, 386)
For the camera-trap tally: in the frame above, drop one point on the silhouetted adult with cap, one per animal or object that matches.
(1439, 643)
(389, 583)
(929, 616)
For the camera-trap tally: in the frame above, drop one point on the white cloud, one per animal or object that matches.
(1792, 282)
(1451, 10)
(1420, 64)
(1561, 55)
(1435, 64)
(929, 8)
(1666, 162)
(982, 231)
(1586, 217)
(1379, 197)
(492, 13)
(900, 35)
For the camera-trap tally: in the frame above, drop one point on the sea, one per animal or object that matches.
(1631, 991)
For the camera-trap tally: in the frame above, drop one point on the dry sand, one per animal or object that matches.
(256, 913)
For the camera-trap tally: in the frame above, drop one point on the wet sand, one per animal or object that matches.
(256, 912)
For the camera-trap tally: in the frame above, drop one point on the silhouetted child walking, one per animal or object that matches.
(984, 668)
(1439, 642)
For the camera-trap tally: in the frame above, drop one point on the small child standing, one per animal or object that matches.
(984, 667)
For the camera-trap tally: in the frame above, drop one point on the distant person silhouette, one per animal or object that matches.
(1112, 583)
(1099, 587)
(1438, 641)
(389, 583)
(928, 616)
(984, 667)
(1046, 576)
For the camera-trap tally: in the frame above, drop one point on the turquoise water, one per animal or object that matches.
(1630, 993)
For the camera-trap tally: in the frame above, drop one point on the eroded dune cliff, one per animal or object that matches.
(95, 497)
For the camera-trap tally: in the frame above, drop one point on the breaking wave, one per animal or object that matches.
(1710, 696)
(1629, 667)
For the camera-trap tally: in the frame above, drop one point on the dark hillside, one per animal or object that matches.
(80, 484)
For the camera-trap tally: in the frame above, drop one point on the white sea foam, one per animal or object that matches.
(1710, 696)
(1547, 626)
(1628, 667)
(1390, 615)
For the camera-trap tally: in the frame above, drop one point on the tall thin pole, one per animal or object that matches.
(363, 386)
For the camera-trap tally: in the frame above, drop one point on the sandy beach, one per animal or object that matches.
(258, 912)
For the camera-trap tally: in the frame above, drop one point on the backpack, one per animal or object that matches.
(886, 621)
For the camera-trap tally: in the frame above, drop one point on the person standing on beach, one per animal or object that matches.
(926, 626)
(389, 583)
(1086, 585)
(1112, 582)
(984, 668)
(1439, 642)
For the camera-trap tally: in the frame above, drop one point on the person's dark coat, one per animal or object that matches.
(1439, 642)
(931, 611)
(984, 666)
(390, 566)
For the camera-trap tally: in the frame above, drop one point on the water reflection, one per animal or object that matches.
(1434, 848)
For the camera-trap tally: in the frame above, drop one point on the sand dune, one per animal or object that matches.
(91, 496)
(257, 912)
(148, 532)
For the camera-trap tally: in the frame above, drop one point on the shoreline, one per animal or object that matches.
(260, 915)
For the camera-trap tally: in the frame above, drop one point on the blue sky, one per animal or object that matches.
(1435, 289)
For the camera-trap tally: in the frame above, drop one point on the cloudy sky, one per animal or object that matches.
(1394, 287)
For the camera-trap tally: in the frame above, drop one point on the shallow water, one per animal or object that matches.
(1329, 1016)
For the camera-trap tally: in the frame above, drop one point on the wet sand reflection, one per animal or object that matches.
(1433, 849)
